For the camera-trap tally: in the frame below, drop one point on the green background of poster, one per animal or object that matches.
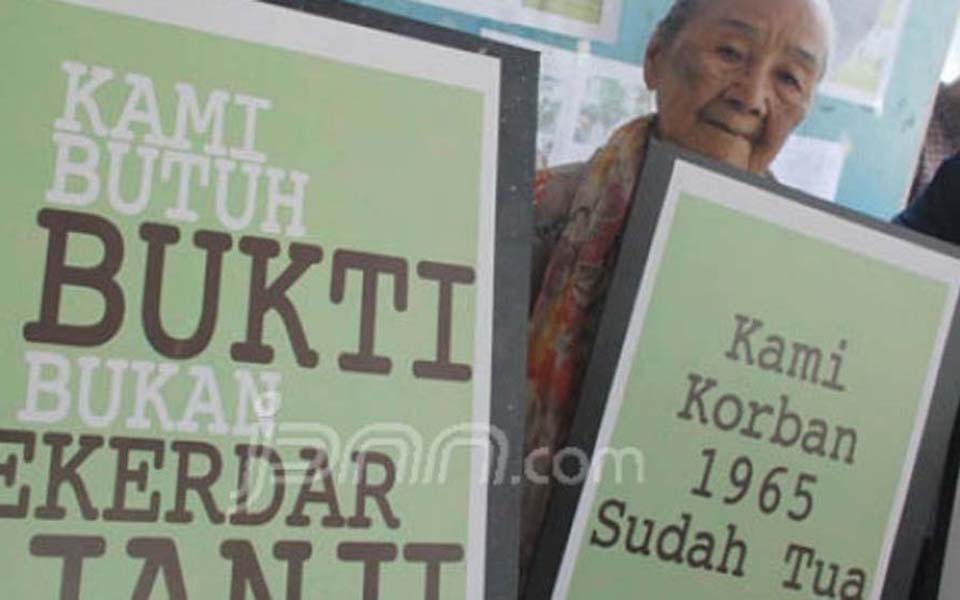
(370, 142)
(804, 289)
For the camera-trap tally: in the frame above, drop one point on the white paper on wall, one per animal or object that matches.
(812, 165)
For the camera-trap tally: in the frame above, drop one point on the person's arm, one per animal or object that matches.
(937, 211)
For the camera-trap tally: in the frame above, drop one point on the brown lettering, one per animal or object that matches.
(61, 473)
(57, 274)
(8, 471)
(371, 265)
(158, 237)
(441, 367)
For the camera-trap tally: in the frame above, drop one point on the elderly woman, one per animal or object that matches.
(732, 78)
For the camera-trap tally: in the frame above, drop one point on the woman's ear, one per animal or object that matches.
(652, 60)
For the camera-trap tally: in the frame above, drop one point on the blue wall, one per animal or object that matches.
(883, 148)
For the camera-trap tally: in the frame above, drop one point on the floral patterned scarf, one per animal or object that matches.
(566, 312)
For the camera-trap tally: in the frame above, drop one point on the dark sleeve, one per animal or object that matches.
(936, 211)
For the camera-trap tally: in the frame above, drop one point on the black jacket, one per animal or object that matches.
(936, 211)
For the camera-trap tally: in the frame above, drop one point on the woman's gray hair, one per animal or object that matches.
(683, 10)
(680, 13)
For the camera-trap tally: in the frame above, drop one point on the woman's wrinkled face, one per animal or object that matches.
(738, 77)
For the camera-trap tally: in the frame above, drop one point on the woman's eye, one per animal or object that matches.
(791, 80)
(729, 53)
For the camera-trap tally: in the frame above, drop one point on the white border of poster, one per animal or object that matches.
(283, 28)
(950, 575)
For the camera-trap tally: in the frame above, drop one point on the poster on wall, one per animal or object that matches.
(791, 420)
(583, 99)
(867, 46)
(587, 19)
(257, 264)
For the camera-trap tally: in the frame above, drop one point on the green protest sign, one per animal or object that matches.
(778, 381)
(251, 302)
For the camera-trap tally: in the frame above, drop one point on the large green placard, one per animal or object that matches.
(776, 392)
(247, 318)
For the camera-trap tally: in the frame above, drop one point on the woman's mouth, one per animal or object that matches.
(750, 136)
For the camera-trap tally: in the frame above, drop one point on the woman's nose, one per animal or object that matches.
(749, 91)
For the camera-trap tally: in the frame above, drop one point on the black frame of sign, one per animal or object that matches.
(912, 538)
(519, 76)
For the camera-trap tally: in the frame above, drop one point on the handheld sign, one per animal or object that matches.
(775, 363)
(257, 262)
(949, 541)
